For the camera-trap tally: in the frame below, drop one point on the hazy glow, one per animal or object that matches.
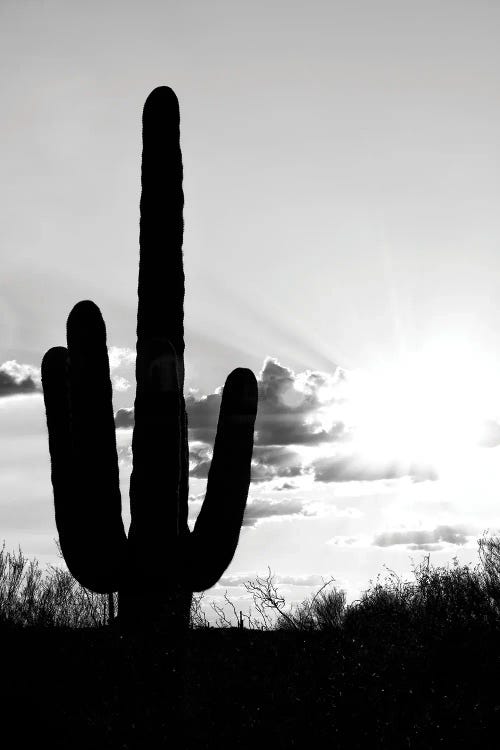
(429, 407)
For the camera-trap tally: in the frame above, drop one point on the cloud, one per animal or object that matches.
(18, 379)
(124, 418)
(290, 410)
(200, 458)
(242, 578)
(197, 498)
(275, 461)
(290, 415)
(120, 356)
(423, 539)
(259, 508)
(120, 384)
(203, 414)
(355, 468)
(290, 406)
(268, 463)
(310, 580)
(235, 580)
(300, 416)
(124, 453)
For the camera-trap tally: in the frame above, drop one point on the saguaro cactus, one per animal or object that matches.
(162, 562)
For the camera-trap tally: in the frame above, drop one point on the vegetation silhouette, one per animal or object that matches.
(161, 563)
(410, 664)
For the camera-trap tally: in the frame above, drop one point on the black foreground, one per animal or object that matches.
(241, 688)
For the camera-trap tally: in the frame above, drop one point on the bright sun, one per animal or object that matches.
(429, 408)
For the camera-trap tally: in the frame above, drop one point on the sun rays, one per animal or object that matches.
(432, 407)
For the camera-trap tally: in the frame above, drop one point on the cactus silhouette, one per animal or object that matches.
(161, 562)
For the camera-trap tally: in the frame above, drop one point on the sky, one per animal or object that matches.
(341, 182)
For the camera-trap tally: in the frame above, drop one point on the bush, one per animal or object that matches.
(30, 598)
(322, 612)
(452, 597)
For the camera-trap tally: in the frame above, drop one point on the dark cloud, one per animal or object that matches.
(355, 468)
(200, 457)
(200, 471)
(16, 379)
(420, 539)
(288, 410)
(276, 455)
(285, 413)
(124, 418)
(258, 508)
(275, 461)
(262, 473)
(203, 415)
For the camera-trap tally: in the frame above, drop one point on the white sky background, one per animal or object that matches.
(342, 190)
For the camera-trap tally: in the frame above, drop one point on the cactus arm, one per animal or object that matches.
(77, 392)
(211, 546)
(94, 436)
(55, 384)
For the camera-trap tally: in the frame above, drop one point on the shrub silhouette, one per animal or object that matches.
(441, 599)
(31, 598)
(322, 612)
(489, 553)
(156, 569)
